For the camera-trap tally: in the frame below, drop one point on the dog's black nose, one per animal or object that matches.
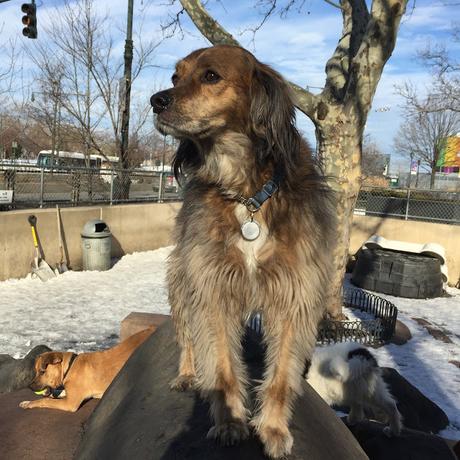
(161, 101)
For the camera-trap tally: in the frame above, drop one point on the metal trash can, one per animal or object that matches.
(96, 245)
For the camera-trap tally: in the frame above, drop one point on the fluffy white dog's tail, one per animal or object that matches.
(358, 363)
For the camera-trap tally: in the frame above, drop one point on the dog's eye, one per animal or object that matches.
(211, 77)
(174, 79)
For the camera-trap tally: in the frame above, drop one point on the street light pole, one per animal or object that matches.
(128, 56)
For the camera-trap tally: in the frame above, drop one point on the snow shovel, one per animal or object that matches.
(39, 267)
(61, 267)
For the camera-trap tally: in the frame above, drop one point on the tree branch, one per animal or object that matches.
(376, 48)
(305, 101)
(208, 26)
(340, 7)
(355, 19)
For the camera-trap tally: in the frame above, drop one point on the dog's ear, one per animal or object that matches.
(52, 357)
(272, 115)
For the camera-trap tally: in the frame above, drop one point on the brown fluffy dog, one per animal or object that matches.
(83, 376)
(234, 117)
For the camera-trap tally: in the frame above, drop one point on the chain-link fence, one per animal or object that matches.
(72, 186)
(33, 186)
(410, 204)
(440, 181)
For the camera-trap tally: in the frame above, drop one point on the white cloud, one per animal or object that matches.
(435, 16)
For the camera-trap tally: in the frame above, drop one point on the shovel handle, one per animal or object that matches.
(33, 221)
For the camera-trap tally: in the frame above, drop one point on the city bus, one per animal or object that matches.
(74, 159)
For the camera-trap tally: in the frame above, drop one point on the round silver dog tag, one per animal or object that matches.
(250, 230)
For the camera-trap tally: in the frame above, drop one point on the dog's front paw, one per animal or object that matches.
(25, 404)
(230, 433)
(277, 441)
(183, 383)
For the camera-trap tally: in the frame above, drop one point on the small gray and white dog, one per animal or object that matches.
(347, 374)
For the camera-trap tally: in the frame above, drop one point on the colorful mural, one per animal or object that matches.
(449, 156)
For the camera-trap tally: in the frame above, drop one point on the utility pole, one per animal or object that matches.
(128, 56)
(56, 122)
(89, 58)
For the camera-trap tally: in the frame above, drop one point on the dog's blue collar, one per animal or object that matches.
(56, 392)
(254, 203)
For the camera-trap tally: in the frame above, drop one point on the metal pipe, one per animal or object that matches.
(42, 186)
(407, 204)
(160, 188)
(111, 186)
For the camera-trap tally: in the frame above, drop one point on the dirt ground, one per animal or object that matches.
(38, 434)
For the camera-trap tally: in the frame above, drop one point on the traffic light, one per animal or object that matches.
(29, 20)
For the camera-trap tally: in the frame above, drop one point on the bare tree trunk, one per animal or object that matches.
(340, 111)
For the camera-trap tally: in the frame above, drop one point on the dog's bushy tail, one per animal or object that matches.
(358, 363)
(361, 363)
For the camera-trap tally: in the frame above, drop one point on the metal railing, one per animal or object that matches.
(35, 186)
(410, 204)
(376, 328)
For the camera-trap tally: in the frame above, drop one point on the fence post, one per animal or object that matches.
(407, 204)
(160, 189)
(89, 180)
(42, 185)
(111, 187)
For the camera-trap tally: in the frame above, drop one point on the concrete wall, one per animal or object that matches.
(141, 227)
(135, 227)
(413, 232)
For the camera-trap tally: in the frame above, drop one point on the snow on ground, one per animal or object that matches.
(82, 311)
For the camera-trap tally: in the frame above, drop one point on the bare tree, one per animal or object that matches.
(80, 44)
(340, 111)
(444, 92)
(431, 119)
(7, 66)
(8, 71)
(374, 161)
(424, 132)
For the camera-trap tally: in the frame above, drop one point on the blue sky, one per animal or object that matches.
(298, 46)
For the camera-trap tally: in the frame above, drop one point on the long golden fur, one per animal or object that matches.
(235, 120)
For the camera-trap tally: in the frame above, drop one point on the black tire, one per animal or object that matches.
(397, 273)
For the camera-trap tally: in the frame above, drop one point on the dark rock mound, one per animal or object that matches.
(401, 334)
(140, 418)
(410, 445)
(18, 373)
(39, 434)
(419, 412)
